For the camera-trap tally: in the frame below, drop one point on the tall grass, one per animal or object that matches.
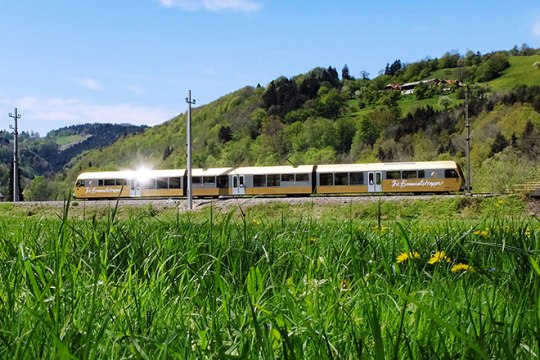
(243, 287)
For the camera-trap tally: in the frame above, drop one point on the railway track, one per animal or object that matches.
(181, 203)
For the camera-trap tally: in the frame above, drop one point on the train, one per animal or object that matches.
(302, 180)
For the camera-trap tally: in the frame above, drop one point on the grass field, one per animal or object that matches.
(69, 140)
(521, 71)
(245, 283)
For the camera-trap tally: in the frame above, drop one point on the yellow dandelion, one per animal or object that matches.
(256, 222)
(482, 233)
(406, 256)
(344, 285)
(462, 267)
(380, 229)
(439, 256)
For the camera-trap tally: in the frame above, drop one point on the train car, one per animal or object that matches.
(402, 177)
(271, 180)
(212, 182)
(130, 184)
(399, 177)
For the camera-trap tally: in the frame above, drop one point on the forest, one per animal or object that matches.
(328, 115)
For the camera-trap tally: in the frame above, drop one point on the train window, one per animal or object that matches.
(357, 178)
(393, 175)
(223, 181)
(100, 182)
(80, 183)
(149, 184)
(259, 180)
(301, 177)
(326, 179)
(196, 180)
(421, 174)
(121, 182)
(409, 174)
(273, 180)
(108, 182)
(287, 177)
(175, 183)
(209, 179)
(90, 182)
(341, 179)
(162, 183)
(451, 173)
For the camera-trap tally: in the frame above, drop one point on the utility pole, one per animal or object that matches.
(468, 138)
(15, 116)
(189, 179)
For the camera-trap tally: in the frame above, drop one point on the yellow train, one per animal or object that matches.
(396, 177)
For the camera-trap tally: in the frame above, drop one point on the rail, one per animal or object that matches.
(531, 188)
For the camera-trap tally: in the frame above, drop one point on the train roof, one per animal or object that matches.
(131, 174)
(262, 170)
(211, 172)
(431, 165)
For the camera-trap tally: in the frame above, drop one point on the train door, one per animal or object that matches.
(374, 181)
(135, 188)
(238, 185)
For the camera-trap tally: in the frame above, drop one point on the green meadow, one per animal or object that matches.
(273, 282)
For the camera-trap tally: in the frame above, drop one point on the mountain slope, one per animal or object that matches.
(319, 118)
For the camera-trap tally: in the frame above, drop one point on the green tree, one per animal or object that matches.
(38, 190)
(225, 134)
(329, 104)
(367, 133)
(320, 133)
(421, 91)
(529, 141)
(445, 102)
(499, 144)
(345, 74)
(345, 132)
(493, 66)
(274, 137)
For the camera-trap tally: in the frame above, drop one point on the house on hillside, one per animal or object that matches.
(408, 88)
(392, 87)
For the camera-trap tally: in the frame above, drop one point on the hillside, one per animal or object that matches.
(46, 157)
(321, 117)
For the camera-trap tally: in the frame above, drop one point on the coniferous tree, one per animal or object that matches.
(499, 144)
(225, 134)
(345, 74)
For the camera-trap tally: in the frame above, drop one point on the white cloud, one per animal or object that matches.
(88, 83)
(214, 5)
(45, 114)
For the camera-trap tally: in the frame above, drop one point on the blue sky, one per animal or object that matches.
(65, 62)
